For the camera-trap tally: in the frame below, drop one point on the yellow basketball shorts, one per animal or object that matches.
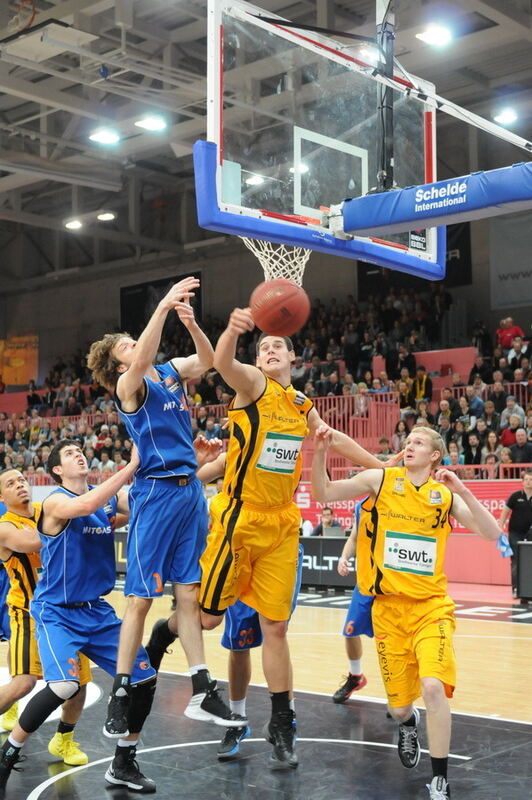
(251, 555)
(414, 640)
(24, 654)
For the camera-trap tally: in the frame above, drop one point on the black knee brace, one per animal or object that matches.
(39, 709)
(142, 695)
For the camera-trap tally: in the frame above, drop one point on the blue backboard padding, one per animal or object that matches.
(482, 194)
(211, 217)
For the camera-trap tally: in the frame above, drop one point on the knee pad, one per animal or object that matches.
(142, 695)
(65, 690)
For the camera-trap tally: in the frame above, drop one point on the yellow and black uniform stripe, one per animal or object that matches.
(22, 568)
(402, 538)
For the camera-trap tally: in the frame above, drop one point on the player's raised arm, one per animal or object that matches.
(327, 491)
(246, 380)
(347, 447)
(17, 540)
(467, 509)
(202, 360)
(146, 347)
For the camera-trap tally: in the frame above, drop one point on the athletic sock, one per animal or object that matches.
(121, 684)
(238, 707)
(355, 666)
(292, 704)
(65, 727)
(280, 702)
(439, 766)
(200, 678)
(13, 742)
(124, 744)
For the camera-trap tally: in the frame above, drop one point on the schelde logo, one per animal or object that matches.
(436, 197)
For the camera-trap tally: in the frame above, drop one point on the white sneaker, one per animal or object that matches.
(439, 789)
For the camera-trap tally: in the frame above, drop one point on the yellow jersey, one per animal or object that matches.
(263, 464)
(22, 568)
(402, 538)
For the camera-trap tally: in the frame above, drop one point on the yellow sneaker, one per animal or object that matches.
(10, 717)
(63, 746)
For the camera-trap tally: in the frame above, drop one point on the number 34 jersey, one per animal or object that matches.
(402, 538)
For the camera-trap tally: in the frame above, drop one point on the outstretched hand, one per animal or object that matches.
(323, 438)
(207, 449)
(449, 479)
(240, 321)
(179, 293)
(394, 460)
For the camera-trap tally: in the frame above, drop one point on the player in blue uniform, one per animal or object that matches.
(356, 679)
(78, 561)
(168, 521)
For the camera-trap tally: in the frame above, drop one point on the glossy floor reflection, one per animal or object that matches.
(346, 753)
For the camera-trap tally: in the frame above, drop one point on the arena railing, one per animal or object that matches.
(521, 391)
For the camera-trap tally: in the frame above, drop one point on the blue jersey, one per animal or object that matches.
(79, 563)
(161, 427)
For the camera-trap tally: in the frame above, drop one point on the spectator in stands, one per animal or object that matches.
(78, 393)
(490, 416)
(459, 435)
(492, 467)
(507, 332)
(518, 351)
(522, 450)
(328, 385)
(423, 413)
(377, 387)
(365, 353)
(212, 428)
(61, 397)
(481, 429)
(447, 394)
(405, 376)
(92, 461)
(105, 403)
(457, 380)
(529, 427)
(299, 373)
(403, 395)
(454, 457)
(475, 403)
(119, 461)
(308, 351)
(512, 409)
(349, 381)
(480, 367)
(309, 390)
(32, 398)
(472, 453)
(315, 370)
(399, 436)
(445, 430)
(201, 418)
(421, 387)
(106, 464)
(2, 386)
(72, 407)
(330, 365)
(444, 411)
(329, 526)
(507, 435)
(384, 452)
(361, 400)
(467, 418)
(498, 396)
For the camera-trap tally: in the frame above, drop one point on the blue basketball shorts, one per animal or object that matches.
(167, 532)
(242, 627)
(358, 619)
(5, 624)
(93, 630)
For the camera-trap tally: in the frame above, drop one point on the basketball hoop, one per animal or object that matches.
(279, 260)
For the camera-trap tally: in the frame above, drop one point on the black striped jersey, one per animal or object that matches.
(23, 568)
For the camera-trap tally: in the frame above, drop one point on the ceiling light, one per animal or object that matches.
(73, 224)
(151, 123)
(104, 136)
(106, 216)
(505, 116)
(254, 180)
(436, 35)
(301, 168)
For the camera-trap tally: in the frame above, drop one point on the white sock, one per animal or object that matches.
(238, 707)
(196, 669)
(126, 743)
(355, 666)
(292, 704)
(13, 741)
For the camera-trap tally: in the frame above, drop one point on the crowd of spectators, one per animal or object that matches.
(477, 415)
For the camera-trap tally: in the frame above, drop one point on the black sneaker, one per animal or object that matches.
(408, 746)
(352, 684)
(280, 731)
(230, 744)
(8, 760)
(116, 724)
(209, 706)
(161, 638)
(439, 789)
(124, 771)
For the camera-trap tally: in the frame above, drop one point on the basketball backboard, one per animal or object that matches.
(292, 132)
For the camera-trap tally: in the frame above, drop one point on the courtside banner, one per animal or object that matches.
(492, 495)
(483, 194)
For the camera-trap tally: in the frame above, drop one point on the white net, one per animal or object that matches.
(279, 260)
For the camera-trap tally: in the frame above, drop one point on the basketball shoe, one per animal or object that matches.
(408, 746)
(280, 732)
(352, 684)
(439, 789)
(10, 717)
(63, 746)
(230, 744)
(124, 771)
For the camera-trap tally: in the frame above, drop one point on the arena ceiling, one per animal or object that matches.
(123, 58)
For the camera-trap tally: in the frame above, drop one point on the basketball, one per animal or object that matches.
(279, 307)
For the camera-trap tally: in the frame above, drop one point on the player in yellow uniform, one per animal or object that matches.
(23, 568)
(400, 562)
(252, 550)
